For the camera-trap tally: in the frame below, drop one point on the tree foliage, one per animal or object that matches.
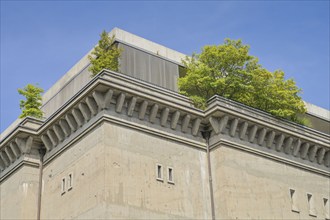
(229, 71)
(31, 106)
(105, 55)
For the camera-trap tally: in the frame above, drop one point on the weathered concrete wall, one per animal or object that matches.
(85, 160)
(18, 194)
(114, 176)
(65, 91)
(247, 186)
(132, 190)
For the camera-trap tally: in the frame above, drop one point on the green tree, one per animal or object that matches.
(229, 71)
(31, 106)
(105, 55)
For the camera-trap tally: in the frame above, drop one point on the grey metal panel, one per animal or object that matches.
(141, 65)
(148, 67)
(162, 74)
(155, 69)
(127, 60)
(171, 75)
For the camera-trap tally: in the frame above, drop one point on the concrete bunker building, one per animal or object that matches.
(127, 145)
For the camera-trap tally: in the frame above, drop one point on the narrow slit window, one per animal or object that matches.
(159, 172)
(70, 181)
(63, 186)
(294, 201)
(170, 178)
(326, 208)
(311, 205)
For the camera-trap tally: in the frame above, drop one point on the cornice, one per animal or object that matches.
(105, 117)
(24, 160)
(129, 102)
(303, 147)
(28, 125)
(112, 93)
(220, 105)
(288, 159)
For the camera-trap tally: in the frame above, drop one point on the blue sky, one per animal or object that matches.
(41, 40)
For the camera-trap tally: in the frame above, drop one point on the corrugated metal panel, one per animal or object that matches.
(149, 67)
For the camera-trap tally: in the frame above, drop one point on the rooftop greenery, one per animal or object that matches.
(105, 55)
(230, 71)
(31, 106)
